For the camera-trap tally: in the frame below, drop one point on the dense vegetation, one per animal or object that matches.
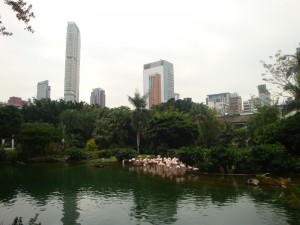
(191, 131)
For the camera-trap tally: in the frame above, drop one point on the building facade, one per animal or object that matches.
(97, 97)
(235, 104)
(250, 106)
(72, 63)
(17, 101)
(158, 80)
(219, 102)
(264, 94)
(43, 90)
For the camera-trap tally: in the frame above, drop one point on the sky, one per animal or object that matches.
(215, 45)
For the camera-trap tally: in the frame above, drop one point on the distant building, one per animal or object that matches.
(235, 104)
(176, 96)
(249, 106)
(219, 102)
(17, 101)
(97, 97)
(43, 90)
(72, 63)
(264, 94)
(158, 80)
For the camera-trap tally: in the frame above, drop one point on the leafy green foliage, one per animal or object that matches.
(113, 127)
(208, 126)
(35, 136)
(284, 73)
(123, 153)
(78, 154)
(23, 13)
(139, 116)
(172, 129)
(191, 155)
(10, 121)
(266, 115)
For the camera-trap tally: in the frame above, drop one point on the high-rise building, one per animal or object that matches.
(264, 94)
(235, 104)
(97, 97)
(43, 90)
(72, 63)
(158, 82)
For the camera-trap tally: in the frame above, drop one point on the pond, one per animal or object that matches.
(73, 194)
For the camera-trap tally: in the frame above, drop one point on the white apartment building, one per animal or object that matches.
(43, 90)
(158, 80)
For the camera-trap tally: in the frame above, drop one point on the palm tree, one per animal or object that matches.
(139, 116)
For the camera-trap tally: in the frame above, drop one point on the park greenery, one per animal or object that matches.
(59, 130)
(49, 130)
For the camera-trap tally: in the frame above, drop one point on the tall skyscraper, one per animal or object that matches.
(98, 97)
(72, 63)
(158, 82)
(43, 90)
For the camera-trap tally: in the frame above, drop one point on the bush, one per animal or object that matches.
(91, 145)
(53, 149)
(8, 155)
(105, 153)
(78, 154)
(245, 162)
(2, 154)
(123, 153)
(191, 155)
(271, 157)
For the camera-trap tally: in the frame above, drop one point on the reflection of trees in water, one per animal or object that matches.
(156, 204)
(156, 198)
(70, 209)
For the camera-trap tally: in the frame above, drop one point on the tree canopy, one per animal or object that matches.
(284, 72)
(23, 13)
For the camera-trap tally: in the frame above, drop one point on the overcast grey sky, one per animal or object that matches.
(215, 45)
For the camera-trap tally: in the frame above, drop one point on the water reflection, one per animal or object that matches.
(80, 194)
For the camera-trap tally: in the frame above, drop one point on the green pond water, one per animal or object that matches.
(72, 194)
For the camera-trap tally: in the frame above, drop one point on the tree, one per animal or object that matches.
(171, 130)
(35, 136)
(140, 115)
(208, 126)
(23, 13)
(114, 128)
(285, 73)
(10, 121)
(266, 115)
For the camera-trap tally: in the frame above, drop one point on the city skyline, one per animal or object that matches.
(215, 46)
(72, 63)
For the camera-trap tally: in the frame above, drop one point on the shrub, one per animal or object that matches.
(191, 155)
(78, 154)
(123, 153)
(2, 154)
(53, 149)
(105, 153)
(245, 162)
(91, 145)
(271, 157)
